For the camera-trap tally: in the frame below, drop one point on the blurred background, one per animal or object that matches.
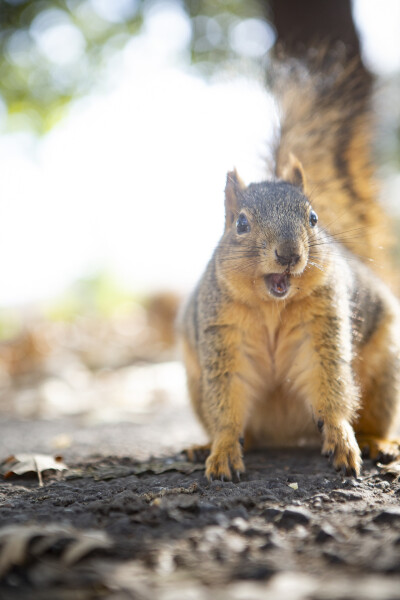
(118, 122)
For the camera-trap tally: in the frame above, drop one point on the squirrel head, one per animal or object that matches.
(272, 239)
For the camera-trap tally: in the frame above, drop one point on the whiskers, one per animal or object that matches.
(240, 259)
(358, 232)
(314, 264)
(348, 243)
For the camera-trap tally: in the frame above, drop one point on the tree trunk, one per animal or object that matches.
(301, 24)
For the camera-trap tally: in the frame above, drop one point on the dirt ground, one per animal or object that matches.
(292, 528)
(120, 524)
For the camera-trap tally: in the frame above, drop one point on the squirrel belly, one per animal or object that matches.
(290, 337)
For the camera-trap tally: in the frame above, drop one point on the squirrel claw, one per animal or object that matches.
(341, 447)
(329, 455)
(223, 463)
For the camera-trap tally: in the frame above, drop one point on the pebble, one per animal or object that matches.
(221, 520)
(346, 495)
(383, 485)
(239, 524)
(293, 516)
(389, 515)
(334, 557)
(321, 498)
(254, 571)
(325, 534)
(271, 513)
(352, 482)
(272, 542)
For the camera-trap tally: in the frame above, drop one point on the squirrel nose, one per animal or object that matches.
(288, 260)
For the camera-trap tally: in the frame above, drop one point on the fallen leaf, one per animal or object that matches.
(20, 464)
(162, 465)
(294, 486)
(85, 542)
(392, 469)
(102, 472)
(20, 543)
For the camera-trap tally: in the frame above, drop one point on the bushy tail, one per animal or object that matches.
(327, 122)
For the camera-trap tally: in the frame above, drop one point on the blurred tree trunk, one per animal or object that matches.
(302, 24)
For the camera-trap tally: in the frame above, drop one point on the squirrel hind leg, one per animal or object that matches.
(198, 453)
(379, 449)
(379, 375)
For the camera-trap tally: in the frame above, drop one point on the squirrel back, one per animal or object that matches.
(327, 122)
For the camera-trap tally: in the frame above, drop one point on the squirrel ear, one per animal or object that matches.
(234, 185)
(293, 172)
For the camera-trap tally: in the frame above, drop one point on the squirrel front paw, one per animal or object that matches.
(341, 446)
(225, 460)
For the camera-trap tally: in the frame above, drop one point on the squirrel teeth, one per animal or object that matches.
(278, 284)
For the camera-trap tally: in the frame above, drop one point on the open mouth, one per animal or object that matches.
(278, 284)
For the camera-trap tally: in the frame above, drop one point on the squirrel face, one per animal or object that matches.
(270, 245)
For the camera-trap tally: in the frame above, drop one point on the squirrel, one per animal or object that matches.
(291, 333)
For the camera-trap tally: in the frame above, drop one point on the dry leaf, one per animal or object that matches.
(154, 466)
(28, 463)
(158, 466)
(18, 543)
(392, 469)
(14, 541)
(84, 543)
(102, 472)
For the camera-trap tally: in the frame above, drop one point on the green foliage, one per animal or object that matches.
(53, 50)
(10, 323)
(98, 295)
(212, 25)
(50, 52)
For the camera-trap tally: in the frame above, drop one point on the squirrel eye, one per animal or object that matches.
(313, 218)
(242, 224)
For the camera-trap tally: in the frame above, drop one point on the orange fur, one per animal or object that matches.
(289, 330)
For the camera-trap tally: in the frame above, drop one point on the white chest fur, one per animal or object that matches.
(274, 367)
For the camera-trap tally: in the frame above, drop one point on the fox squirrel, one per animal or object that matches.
(290, 334)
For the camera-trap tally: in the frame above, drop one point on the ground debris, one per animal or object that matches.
(293, 516)
(107, 469)
(392, 469)
(20, 464)
(21, 544)
(171, 530)
(390, 515)
(346, 495)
